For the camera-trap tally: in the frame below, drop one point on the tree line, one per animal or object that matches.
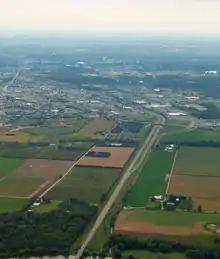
(188, 143)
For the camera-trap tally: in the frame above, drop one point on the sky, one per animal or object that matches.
(111, 16)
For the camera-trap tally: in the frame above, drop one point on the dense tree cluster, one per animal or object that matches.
(53, 233)
(98, 154)
(119, 243)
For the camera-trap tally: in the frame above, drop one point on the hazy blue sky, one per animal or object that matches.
(111, 16)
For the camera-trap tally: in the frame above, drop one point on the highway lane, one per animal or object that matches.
(136, 162)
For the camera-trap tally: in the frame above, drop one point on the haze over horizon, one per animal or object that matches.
(115, 16)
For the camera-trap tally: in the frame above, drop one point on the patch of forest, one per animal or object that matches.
(44, 234)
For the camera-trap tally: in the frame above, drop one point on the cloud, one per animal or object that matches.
(146, 16)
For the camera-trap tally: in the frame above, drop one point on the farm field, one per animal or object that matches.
(193, 135)
(18, 186)
(99, 125)
(47, 152)
(148, 255)
(50, 133)
(126, 134)
(8, 205)
(201, 187)
(137, 116)
(117, 159)
(56, 132)
(16, 136)
(198, 161)
(86, 183)
(128, 129)
(62, 128)
(32, 177)
(8, 165)
(164, 223)
(88, 136)
(151, 180)
(80, 145)
(172, 128)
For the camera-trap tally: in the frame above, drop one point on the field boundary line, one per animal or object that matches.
(38, 190)
(14, 197)
(171, 171)
(200, 175)
(69, 170)
(110, 131)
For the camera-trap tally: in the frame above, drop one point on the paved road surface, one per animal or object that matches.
(137, 161)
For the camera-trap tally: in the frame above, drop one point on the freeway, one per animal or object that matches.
(12, 81)
(136, 162)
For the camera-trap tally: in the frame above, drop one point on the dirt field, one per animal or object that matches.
(193, 186)
(98, 125)
(32, 177)
(207, 204)
(119, 156)
(204, 190)
(126, 225)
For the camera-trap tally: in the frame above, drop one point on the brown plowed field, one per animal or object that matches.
(205, 191)
(207, 204)
(117, 159)
(127, 226)
(194, 186)
(43, 168)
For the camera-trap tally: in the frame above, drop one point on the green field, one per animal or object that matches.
(193, 135)
(85, 183)
(172, 129)
(8, 165)
(46, 207)
(19, 186)
(198, 161)
(137, 116)
(151, 180)
(141, 254)
(169, 218)
(8, 205)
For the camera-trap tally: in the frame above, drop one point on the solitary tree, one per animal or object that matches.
(199, 208)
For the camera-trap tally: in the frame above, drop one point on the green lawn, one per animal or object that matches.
(47, 207)
(198, 161)
(85, 183)
(141, 254)
(8, 165)
(151, 180)
(169, 218)
(193, 135)
(20, 186)
(11, 204)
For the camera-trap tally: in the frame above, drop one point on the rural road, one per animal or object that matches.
(136, 162)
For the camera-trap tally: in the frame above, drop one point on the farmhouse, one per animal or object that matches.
(158, 198)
